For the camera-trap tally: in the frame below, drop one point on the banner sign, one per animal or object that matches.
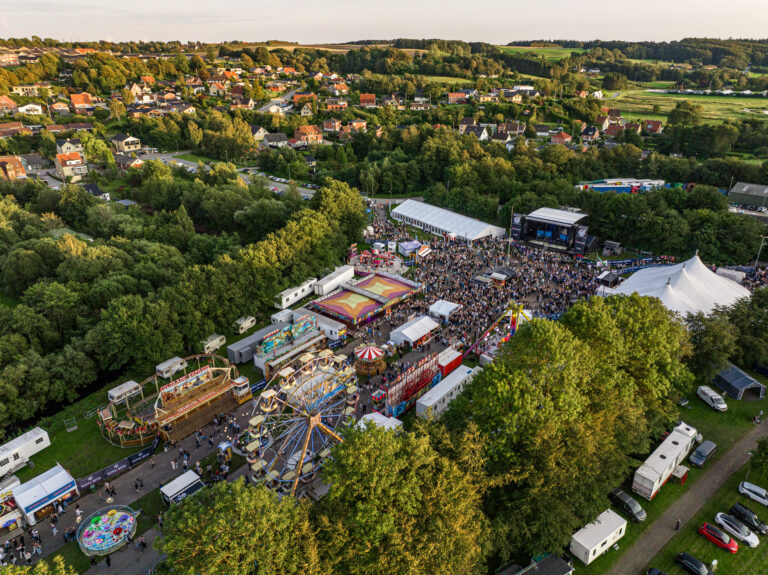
(259, 385)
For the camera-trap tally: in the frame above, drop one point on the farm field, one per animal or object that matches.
(716, 108)
(551, 54)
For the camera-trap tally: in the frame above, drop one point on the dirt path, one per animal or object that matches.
(659, 534)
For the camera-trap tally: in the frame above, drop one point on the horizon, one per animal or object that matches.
(309, 23)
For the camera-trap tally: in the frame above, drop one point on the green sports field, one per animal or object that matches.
(640, 103)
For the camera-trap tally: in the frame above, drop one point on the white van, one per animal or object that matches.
(712, 398)
(754, 492)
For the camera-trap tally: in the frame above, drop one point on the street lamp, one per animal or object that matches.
(762, 241)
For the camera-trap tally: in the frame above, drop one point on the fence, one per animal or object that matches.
(117, 468)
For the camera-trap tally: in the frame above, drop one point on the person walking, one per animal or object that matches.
(78, 514)
(53, 529)
(677, 525)
(108, 561)
(93, 561)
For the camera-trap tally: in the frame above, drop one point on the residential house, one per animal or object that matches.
(335, 104)
(11, 168)
(306, 111)
(125, 163)
(70, 167)
(147, 80)
(457, 98)
(30, 90)
(345, 133)
(125, 143)
(308, 135)
(613, 130)
(578, 126)
(217, 89)
(311, 161)
(242, 104)
(8, 59)
(614, 114)
(258, 133)
(367, 100)
(590, 134)
(340, 89)
(34, 162)
(82, 103)
(31, 108)
(582, 93)
(501, 137)
(597, 94)
(331, 125)
(278, 140)
(280, 108)
(69, 146)
(10, 129)
(511, 128)
(633, 127)
(602, 123)
(542, 131)
(479, 131)
(299, 96)
(7, 105)
(60, 108)
(420, 106)
(358, 125)
(96, 192)
(465, 123)
(562, 138)
(485, 98)
(183, 109)
(390, 100)
(653, 127)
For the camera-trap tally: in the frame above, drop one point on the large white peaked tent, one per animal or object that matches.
(689, 287)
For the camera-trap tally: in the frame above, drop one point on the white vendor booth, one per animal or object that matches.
(37, 497)
(183, 486)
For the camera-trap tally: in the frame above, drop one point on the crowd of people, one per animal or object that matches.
(546, 283)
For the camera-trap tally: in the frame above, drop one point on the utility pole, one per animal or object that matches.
(762, 241)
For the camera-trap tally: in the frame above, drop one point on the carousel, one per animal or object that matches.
(370, 360)
(107, 530)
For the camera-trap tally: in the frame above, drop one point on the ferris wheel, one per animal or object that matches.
(301, 416)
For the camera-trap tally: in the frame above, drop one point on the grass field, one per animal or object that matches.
(551, 54)
(725, 429)
(716, 108)
(746, 561)
(190, 157)
(447, 80)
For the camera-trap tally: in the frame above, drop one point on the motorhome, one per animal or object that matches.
(213, 342)
(592, 540)
(657, 469)
(170, 366)
(245, 323)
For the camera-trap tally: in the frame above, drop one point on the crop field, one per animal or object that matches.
(551, 54)
(716, 108)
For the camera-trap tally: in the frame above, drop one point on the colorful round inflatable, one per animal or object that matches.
(106, 530)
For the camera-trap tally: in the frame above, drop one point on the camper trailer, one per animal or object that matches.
(245, 323)
(433, 403)
(213, 342)
(290, 296)
(123, 392)
(15, 454)
(652, 474)
(170, 366)
(592, 540)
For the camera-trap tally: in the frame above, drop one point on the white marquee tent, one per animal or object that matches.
(443, 308)
(689, 287)
(414, 330)
(441, 221)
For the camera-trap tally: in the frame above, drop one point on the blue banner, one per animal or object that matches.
(51, 497)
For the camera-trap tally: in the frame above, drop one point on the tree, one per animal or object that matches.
(714, 342)
(397, 506)
(685, 113)
(750, 316)
(59, 567)
(224, 542)
(116, 109)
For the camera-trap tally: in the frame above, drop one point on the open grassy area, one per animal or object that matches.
(551, 54)
(725, 429)
(150, 506)
(640, 103)
(81, 452)
(448, 80)
(72, 556)
(190, 157)
(746, 561)
(58, 232)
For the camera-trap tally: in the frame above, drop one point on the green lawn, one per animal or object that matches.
(150, 506)
(72, 556)
(746, 561)
(448, 80)
(82, 451)
(551, 54)
(725, 429)
(196, 158)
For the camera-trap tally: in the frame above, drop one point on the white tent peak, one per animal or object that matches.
(687, 287)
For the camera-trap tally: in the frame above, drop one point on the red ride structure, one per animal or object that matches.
(400, 395)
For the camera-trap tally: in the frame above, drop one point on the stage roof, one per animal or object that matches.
(445, 221)
(557, 217)
(689, 287)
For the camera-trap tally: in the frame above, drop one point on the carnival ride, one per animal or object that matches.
(400, 395)
(208, 383)
(300, 417)
(515, 311)
(106, 530)
(370, 360)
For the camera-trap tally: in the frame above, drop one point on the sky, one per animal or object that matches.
(319, 21)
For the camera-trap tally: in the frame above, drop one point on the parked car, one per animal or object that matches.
(749, 518)
(691, 564)
(703, 453)
(736, 528)
(754, 492)
(718, 537)
(654, 571)
(628, 505)
(712, 398)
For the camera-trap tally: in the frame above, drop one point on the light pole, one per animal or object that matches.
(762, 241)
